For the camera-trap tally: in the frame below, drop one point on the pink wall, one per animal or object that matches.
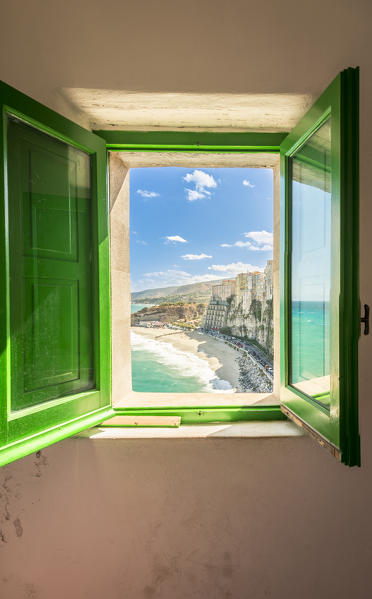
(237, 519)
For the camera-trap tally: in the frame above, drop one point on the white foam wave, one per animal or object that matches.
(186, 363)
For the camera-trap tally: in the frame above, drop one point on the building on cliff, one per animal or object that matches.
(252, 291)
(215, 315)
(244, 305)
(224, 290)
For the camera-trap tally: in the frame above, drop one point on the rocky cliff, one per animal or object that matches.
(256, 324)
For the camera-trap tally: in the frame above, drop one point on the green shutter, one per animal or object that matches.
(55, 305)
(319, 270)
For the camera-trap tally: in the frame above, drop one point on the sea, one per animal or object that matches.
(310, 355)
(160, 368)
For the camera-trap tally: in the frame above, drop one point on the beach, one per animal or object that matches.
(220, 357)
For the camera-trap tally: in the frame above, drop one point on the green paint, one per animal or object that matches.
(183, 141)
(339, 424)
(24, 446)
(54, 240)
(51, 309)
(209, 414)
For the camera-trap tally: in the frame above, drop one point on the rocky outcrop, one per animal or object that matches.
(169, 313)
(255, 324)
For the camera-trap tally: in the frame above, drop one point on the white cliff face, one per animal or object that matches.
(249, 311)
(255, 323)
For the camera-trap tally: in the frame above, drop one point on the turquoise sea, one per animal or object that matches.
(159, 367)
(310, 340)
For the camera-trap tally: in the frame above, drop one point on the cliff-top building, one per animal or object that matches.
(253, 290)
(231, 306)
(240, 285)
(224, 289)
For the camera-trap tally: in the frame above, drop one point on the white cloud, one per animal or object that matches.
(147, 194)
(200, 179)
(238, 244)
(234, 268)
(259, 241)
(248, 184)
(175, 239)
(193, 194)
(195, 256)
(173, 277)
(261, 238)
(202, 182)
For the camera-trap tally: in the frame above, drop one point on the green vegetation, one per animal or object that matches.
(225, 331)
(183, 325)
(256, 309)
(268, 313)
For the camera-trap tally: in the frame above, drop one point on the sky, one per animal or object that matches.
(311, 245)
(189, 225)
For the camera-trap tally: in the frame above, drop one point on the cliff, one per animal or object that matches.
(256, 324)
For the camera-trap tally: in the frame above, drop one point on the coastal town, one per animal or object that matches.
(239, 315)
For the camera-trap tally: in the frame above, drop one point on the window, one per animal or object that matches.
(55, 349)
(202, 300)
(319, 268)
(55, 361)
(121, 164)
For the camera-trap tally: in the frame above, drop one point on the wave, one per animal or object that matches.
(185, 363)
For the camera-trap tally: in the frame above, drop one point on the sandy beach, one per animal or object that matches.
(222, 359)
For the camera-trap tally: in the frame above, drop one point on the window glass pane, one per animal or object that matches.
(51, 316)
(311, 266)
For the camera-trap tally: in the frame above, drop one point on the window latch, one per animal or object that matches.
(365, 319)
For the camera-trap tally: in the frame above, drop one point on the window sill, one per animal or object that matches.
(239, 430)
(135, 399)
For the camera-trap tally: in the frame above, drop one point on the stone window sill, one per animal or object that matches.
(238, 430)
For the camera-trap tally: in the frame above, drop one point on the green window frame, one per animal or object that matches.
(338, 432)
(40, 426)
(30, 429)
(336, 427)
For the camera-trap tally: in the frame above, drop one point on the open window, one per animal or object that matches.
(55, 315)
(319, 270)
(55, 368)
(193, 346)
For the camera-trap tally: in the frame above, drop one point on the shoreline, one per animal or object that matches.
(221, 358)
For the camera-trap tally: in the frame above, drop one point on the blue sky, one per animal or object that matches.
(190, 225)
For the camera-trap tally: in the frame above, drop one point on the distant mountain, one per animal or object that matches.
(152, 293)
(194, 291)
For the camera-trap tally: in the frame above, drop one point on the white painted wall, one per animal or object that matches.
(218, 519)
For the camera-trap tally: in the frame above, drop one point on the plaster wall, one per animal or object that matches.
(218, 518)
